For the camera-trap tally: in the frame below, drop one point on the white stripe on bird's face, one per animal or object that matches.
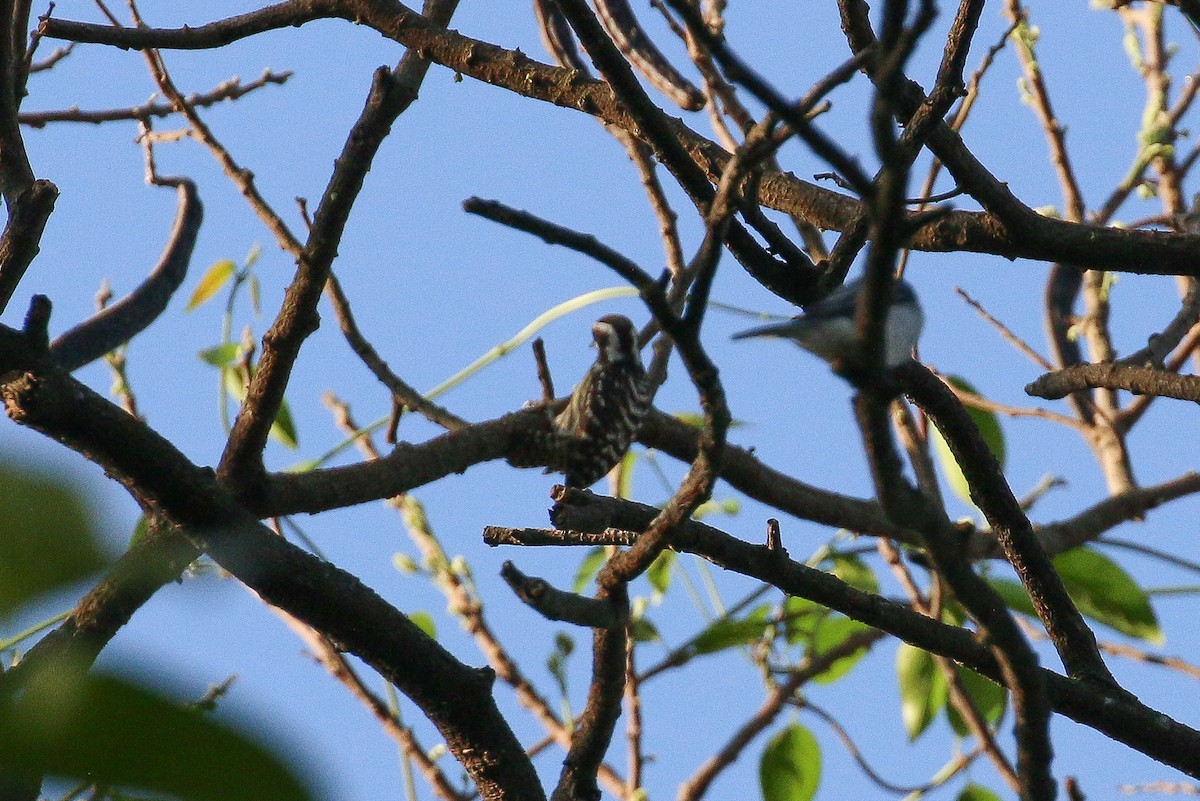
(616, 339)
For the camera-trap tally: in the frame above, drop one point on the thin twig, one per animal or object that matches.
(340, 669)
(1006, 332)
(958, 764)
(230, 90)
(959, 698)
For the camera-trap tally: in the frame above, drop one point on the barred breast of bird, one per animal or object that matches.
(603, 417)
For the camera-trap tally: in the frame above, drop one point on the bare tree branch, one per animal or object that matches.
(1115, 713)
(125, 319)
(1036, 237)
(231, 89)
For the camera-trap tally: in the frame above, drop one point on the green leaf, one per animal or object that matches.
(729, 632)
(922, 688)
(255, 295)
(802, 617)
(989, 698)
(1100, 588)
(405, 564)
(283, 430)
(976, 792)
(714, 507)
(1133, 47)
(625, 474)
(425, 623)
(46, 536)
(659, 572)
(215, 278)
(643, 630)
(1106, 593)
(110, 732)
(220, 355)
(588, 567)
(831, 632)
(556, 663)
(989, 428)
(790, 767)
(235, 383)
(854, 572)
(141, 530)
(731, 506)
(1108, 280)
(696, 420)
(1026, 36)
(284, 427)
(1014, 595)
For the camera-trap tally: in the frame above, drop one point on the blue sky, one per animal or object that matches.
(433, 288)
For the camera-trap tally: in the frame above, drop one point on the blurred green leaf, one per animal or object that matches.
(644, 631)
(46, 536)
(210, 284)
(107, 731)
(556, 663)
(425, 623)
(1108, 280)
(284, 427)
(235, 383)
(1106, 593)
(588, 567)
(989, 698)
(976, 792)
(1026, 36)
(832, 631)
(790, 767)
(405, 564)
(625, 474)
(659, 572)
(730, 632)
(854, 572)
(255, 295)
(712, 506)
(283, 430)
(989, 428)
(802, 617)
(696, 420)
(1014, 595)
(922, 688)
(141, 530)
(220, 355)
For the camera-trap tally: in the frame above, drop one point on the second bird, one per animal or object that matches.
(827, 328)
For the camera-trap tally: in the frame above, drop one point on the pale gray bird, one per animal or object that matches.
(827, 328)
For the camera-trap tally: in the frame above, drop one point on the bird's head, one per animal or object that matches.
(616, 339)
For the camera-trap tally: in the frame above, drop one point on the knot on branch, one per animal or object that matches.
(37, 324)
